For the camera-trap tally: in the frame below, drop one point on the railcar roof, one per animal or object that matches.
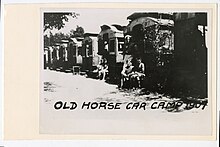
(76, 41)
(150, 14)
(111, 27)
(91, 34)
(163, 21)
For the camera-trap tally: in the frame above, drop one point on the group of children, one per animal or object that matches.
(132, 73)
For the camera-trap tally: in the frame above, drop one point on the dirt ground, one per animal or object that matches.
(140, 112)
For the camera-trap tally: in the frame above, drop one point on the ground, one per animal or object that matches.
(149, 119)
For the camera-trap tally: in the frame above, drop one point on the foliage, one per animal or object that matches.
(57, 20)
(53, 39)
(79, 32)
(159, 40)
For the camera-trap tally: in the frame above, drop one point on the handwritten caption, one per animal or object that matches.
(60, 105)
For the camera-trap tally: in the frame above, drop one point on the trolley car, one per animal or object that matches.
(90, 51)
(151, 39)
(110, 47)
(75, 51)
(190, 74)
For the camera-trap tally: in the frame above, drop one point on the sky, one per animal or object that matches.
(92, 19)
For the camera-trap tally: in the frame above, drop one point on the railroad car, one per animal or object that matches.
(110, 47)
(190, 70)
(151, 38)
(90, 51)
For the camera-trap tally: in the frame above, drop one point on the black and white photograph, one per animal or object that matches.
(125, 72)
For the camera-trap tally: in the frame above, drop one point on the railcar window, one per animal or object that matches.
(106, 46)
(71, 49)
(105, 37)
(79, 50)
(74, 50)
(112, 45)
(120, 46)
(61, 52)
(89, 49)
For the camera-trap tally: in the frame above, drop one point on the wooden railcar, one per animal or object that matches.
(74, 52)
(190, 71)
(62, 55)
(90, 51)
(47, 58)
(151, 38)
(110, 47)
(50, 57)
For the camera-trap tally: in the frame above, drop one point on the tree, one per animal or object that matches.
(57, 20)
(79, 32)
(58, 37)
(53, 39)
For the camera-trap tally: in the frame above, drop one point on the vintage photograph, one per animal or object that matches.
(125, 72)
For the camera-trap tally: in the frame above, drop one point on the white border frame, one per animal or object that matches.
(102, 143)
